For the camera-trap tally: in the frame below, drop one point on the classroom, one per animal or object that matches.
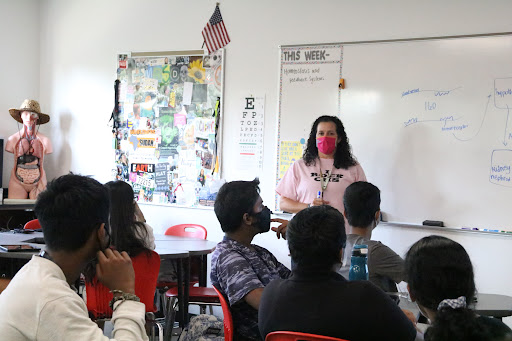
(63, 53)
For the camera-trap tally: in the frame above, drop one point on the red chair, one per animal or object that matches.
(228, 318)
(32, 225)
(187, 230)
(296, 336)
(146, 268)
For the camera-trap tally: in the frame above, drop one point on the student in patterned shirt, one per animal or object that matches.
(240, 269)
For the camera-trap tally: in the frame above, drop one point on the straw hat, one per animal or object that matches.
(32, 106)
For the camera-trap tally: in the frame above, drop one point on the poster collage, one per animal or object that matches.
(167, 128)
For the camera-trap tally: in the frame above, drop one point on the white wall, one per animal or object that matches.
(80, 38)
(19, 65)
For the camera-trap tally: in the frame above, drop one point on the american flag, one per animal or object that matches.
(214, 33)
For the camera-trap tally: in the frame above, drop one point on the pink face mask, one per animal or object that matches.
(326, 144)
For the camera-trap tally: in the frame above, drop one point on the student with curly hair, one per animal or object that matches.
(440, 279)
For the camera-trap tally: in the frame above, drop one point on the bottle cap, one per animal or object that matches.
(360, 250)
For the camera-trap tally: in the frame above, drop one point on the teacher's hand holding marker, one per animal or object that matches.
(326, 169)
(318, 200)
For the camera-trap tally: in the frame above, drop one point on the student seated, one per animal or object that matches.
(318, 300)
(440, 280)
(240, 269)
(127, 223)
(39, 303)
(362, 210)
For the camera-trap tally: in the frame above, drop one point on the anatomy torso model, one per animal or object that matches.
(29, 147)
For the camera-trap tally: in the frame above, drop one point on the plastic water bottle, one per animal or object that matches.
(358, 263)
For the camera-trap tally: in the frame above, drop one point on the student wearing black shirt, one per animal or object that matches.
(316, 299)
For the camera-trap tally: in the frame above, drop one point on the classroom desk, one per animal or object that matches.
(194, 247)
(498, 306)
(168, 247)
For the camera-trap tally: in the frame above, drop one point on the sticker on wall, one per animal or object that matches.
(157, 73)
(169, 133)
(187, 93)
(196, 71)
(180, 119)
(161, 181)
(166, 74)
(142, 167)
(174, 74)
(158, 61)
(199, 93)
(122, 60)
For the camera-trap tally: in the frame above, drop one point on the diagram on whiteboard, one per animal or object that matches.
(438, 108)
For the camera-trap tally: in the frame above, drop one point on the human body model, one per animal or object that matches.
(29, 147)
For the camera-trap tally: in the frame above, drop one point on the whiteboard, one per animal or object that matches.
(308, 88)
(429, 122)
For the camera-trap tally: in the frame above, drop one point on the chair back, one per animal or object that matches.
(228, 318)
(187, 230)
(32, 225)
(296, 336)
(146, 268)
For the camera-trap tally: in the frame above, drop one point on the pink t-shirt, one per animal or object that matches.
(302, 183)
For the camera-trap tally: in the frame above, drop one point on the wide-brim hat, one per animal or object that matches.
(32, 106)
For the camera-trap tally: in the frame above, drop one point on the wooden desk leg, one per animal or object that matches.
(203, 273)
(181, 298)
(186, 265)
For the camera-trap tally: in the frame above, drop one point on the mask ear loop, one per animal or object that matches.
(107, 234)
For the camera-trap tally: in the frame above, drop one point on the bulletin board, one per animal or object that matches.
(428, 119)
(167, 130)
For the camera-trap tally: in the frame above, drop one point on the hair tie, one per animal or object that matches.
(454, 303)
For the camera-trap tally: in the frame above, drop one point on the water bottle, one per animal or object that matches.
(358, 263)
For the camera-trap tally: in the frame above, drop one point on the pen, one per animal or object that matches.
(470, 228)
(319, 195)
(488, 230)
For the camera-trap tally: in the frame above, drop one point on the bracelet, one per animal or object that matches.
(123, 297)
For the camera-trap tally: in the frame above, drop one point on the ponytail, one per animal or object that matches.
(454, 321)
(456, 324)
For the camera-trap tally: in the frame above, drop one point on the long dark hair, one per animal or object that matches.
(127, 234)
(438, 268)
(343, 157)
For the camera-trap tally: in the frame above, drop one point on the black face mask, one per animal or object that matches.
(263, 223)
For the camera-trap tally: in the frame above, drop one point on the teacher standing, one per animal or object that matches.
(326, 169)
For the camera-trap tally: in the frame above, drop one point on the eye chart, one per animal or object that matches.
(250, 137)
